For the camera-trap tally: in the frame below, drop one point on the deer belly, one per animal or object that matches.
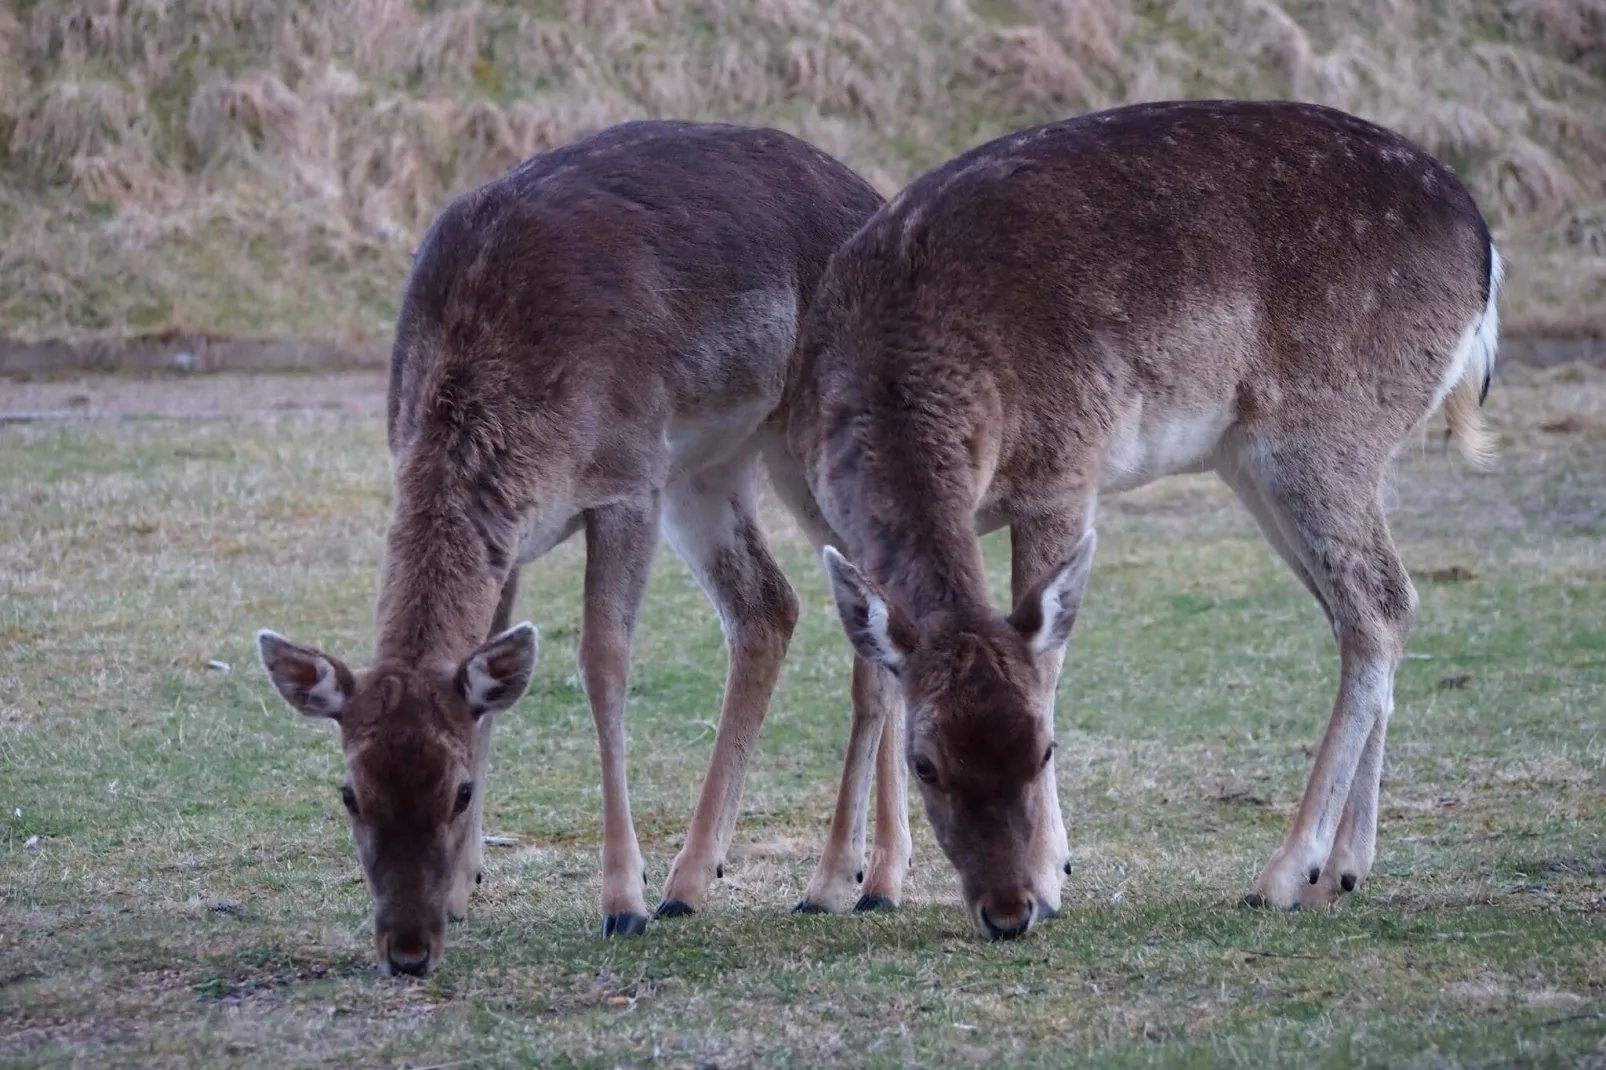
(699, 441)
(1145, 446)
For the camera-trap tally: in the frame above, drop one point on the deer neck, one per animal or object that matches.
(921, 550)
(444, 568)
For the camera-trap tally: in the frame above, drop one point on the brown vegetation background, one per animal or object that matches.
(258, 168)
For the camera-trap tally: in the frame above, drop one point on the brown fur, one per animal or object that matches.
(590, 342)
(1267, 289)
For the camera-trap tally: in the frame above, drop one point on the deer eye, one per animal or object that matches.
(465, 795)
(1048, 755)
(925, 770)
(349, 797)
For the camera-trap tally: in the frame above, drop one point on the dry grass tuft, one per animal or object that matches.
(257, 167)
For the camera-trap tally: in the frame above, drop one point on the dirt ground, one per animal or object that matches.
(1547, 421)
(1529, 405)
(211, 394)
(362, 391)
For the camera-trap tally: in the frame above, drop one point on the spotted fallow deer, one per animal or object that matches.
(591, 342)
(1276, 292)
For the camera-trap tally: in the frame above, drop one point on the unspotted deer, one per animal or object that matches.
(588, 343)
(1277, 292)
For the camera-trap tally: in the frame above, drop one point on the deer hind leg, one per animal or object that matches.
(471, 868)
(1354, 844)
(711, 519)
(1279, 531)
(1036, 547)
(1329, 515)
(620, 540)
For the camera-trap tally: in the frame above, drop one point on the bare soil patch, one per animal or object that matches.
(1540, 395)
(1550, 421)
(224, 393)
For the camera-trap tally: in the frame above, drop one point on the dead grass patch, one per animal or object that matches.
(258, 168)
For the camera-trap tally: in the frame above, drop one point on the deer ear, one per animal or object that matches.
(312, 682)
(1047, 612)
(496, 675)
(876, 629)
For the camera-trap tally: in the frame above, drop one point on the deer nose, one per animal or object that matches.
(1008, 925)
(411, 961)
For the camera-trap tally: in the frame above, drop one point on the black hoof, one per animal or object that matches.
(1253, 899)
(673, 908)
(1348, 882)
(623, 924)
(868, 903)
(809, 907)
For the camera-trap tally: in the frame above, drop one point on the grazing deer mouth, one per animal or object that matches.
(1010, 927)
(992, 924)
(412, 955)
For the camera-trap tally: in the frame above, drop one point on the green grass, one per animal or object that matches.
(193, 897)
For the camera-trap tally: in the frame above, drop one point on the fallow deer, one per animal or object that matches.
(1277, 292)
(590, 342)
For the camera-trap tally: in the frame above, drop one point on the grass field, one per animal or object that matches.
(177, 885)
(264, 168)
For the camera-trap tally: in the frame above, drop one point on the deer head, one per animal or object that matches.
(408, 735)
(977, 687)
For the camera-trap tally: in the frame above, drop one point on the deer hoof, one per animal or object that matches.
(623, 924)
(1255, 899)
(674, 908)
(808, 906)
(871, 903)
